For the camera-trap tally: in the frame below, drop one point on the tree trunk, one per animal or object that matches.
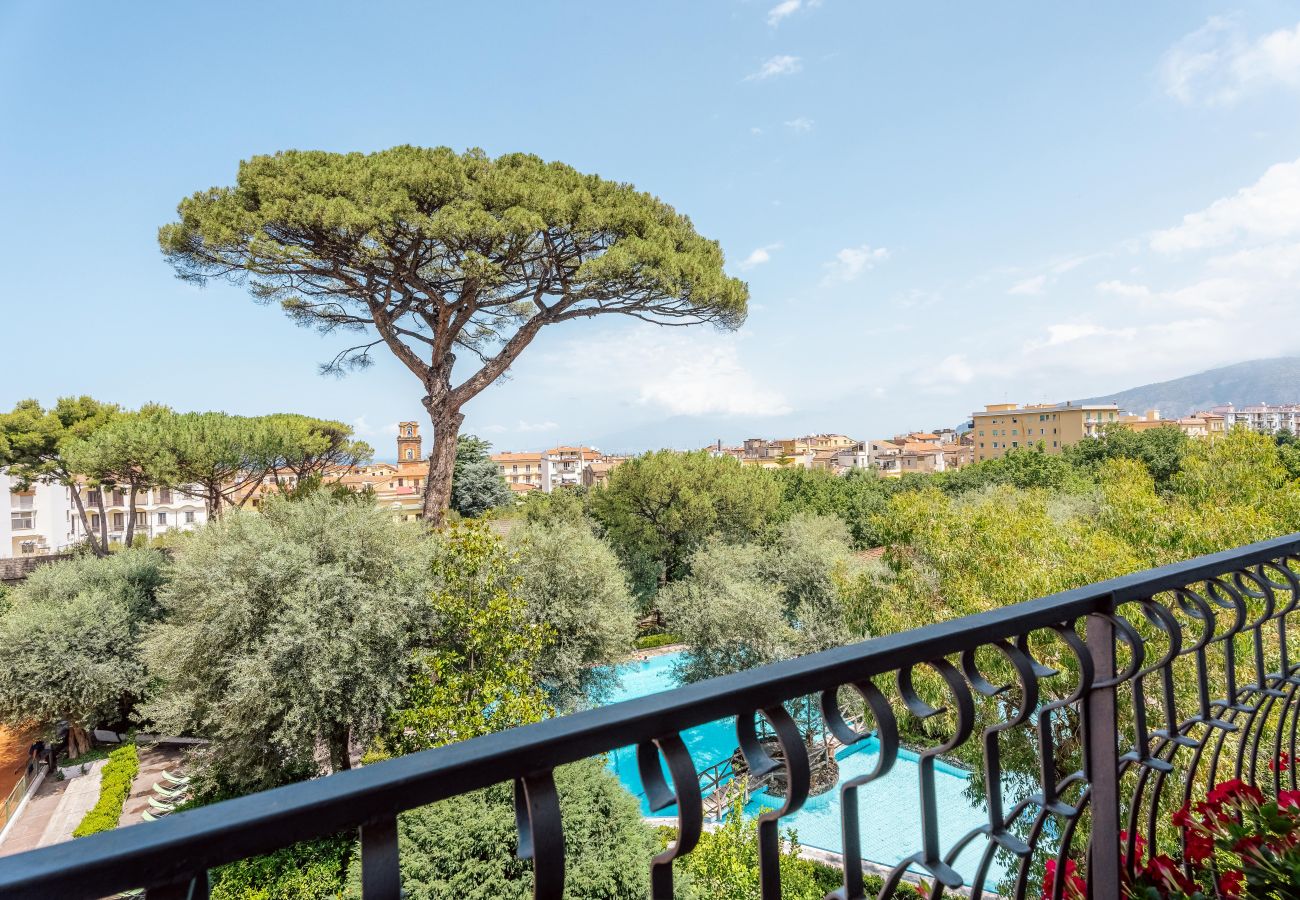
(85, 519)
(130, 515)
(78, 741)
(103, 520)
(442, 461)
(341, 748)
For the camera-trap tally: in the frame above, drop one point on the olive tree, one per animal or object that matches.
(431, 254)
(572, 582)
(288, 632)
(71, 637)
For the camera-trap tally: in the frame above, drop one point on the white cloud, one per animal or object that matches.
(776, 66)
(1218, 63)
(801, 125)
(853, 261)
(676, 374)
(362, 428)
(1268, 209)
(781, 10)
(759, 256)
(1029, 287)
(1068, 332)
(1124, 289)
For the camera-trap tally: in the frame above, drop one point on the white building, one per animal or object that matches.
(157, 510)
(1264, 418)
(35, 521)
(563, 466)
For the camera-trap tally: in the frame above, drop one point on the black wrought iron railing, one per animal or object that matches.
(1128, 696)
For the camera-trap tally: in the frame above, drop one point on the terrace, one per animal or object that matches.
(1133, 694)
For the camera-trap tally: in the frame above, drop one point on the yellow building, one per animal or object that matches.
(1201, 424)
(1007, 426)
(522, 471)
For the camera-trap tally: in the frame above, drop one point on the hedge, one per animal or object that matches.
(651, 641)
(114, 787)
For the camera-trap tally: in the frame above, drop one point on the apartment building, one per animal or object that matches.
(34, 521)
(1007, 426)
(157, 511)
(1265, 418)
(563, 466)
(1201, 424)
(522, 471)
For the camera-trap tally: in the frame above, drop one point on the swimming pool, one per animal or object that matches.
(889, 808)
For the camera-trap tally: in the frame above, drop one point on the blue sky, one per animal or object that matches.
(935, 206)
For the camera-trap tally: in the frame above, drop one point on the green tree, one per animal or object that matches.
(473, 668)
(465, 847)
(128, 453)
(285, 631)
(572, 583)
(476, 486)
(1028, 467)
(1161, 450)
(657, 509)
(812, 560)
(562, 504)
(71, 636)
(35, 444)
(857, 498)
(433, 253)
(729, 611)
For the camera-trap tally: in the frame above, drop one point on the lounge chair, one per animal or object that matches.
(168, 794)
(159, 805)
(150, 817)
(174, 779)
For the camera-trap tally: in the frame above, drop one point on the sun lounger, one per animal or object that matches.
(150, 817)
(169, 794)
(174, 779)
(159, 805)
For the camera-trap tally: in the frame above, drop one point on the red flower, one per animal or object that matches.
(1231, 883)
(1287, 799)
(1249, 845)
(1165, 871)
(1139, 844)
(1236, 789)
(1075, 886)
(1200, 845)
(1183, 817)
(1282, 763)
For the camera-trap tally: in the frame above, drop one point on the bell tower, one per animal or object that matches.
(408, 442)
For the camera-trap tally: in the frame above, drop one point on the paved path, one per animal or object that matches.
(57, 808)
(152, 762)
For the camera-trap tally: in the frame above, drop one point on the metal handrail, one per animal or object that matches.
(171, 857)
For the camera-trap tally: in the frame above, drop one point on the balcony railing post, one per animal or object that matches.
(1102, 762)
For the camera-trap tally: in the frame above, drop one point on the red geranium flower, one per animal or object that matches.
(1282, 763)
(1231, 883)
(1166, 871)
(1236, 789)
(1075, 885)
(1288, 799)
(1200, 845)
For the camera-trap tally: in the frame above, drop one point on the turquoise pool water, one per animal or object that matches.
(889, 808)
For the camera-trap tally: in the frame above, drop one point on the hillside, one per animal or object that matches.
(1256, 381)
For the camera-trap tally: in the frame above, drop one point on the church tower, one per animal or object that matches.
(408, 442)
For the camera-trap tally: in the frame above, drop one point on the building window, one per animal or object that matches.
(119, 521)
(162, 518)
(93, 498)
(94, 520)
(19, 520)
(1015, 443)
(119, 497)
(189, 517)
(140, 519)
(514, 468)
(410, 454)
(164, 495)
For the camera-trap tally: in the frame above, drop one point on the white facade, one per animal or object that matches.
(563, 466)
(157, 511)
(1263, 418)
(856, 457)
(35, 521)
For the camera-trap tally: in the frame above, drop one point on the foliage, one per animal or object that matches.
(34, 443)
(464, 847)
(286, 630)
(571, 583)
(653, 641)
(114, 787)
(728, 611)
(560, 505)
(433, 253)
(1161, 450)
(659, 508)
(71, 634)
(858, 498)
(472, 671)
(1025, 468)
(476, 486)
(306, 871)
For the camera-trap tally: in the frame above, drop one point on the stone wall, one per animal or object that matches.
(17, 568)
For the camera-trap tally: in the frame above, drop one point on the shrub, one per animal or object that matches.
(305, 871)
(115, 786)
(651, 641)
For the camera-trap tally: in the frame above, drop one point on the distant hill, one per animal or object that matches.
(1247, 383)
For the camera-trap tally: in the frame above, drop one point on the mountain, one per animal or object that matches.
(1243, 384)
